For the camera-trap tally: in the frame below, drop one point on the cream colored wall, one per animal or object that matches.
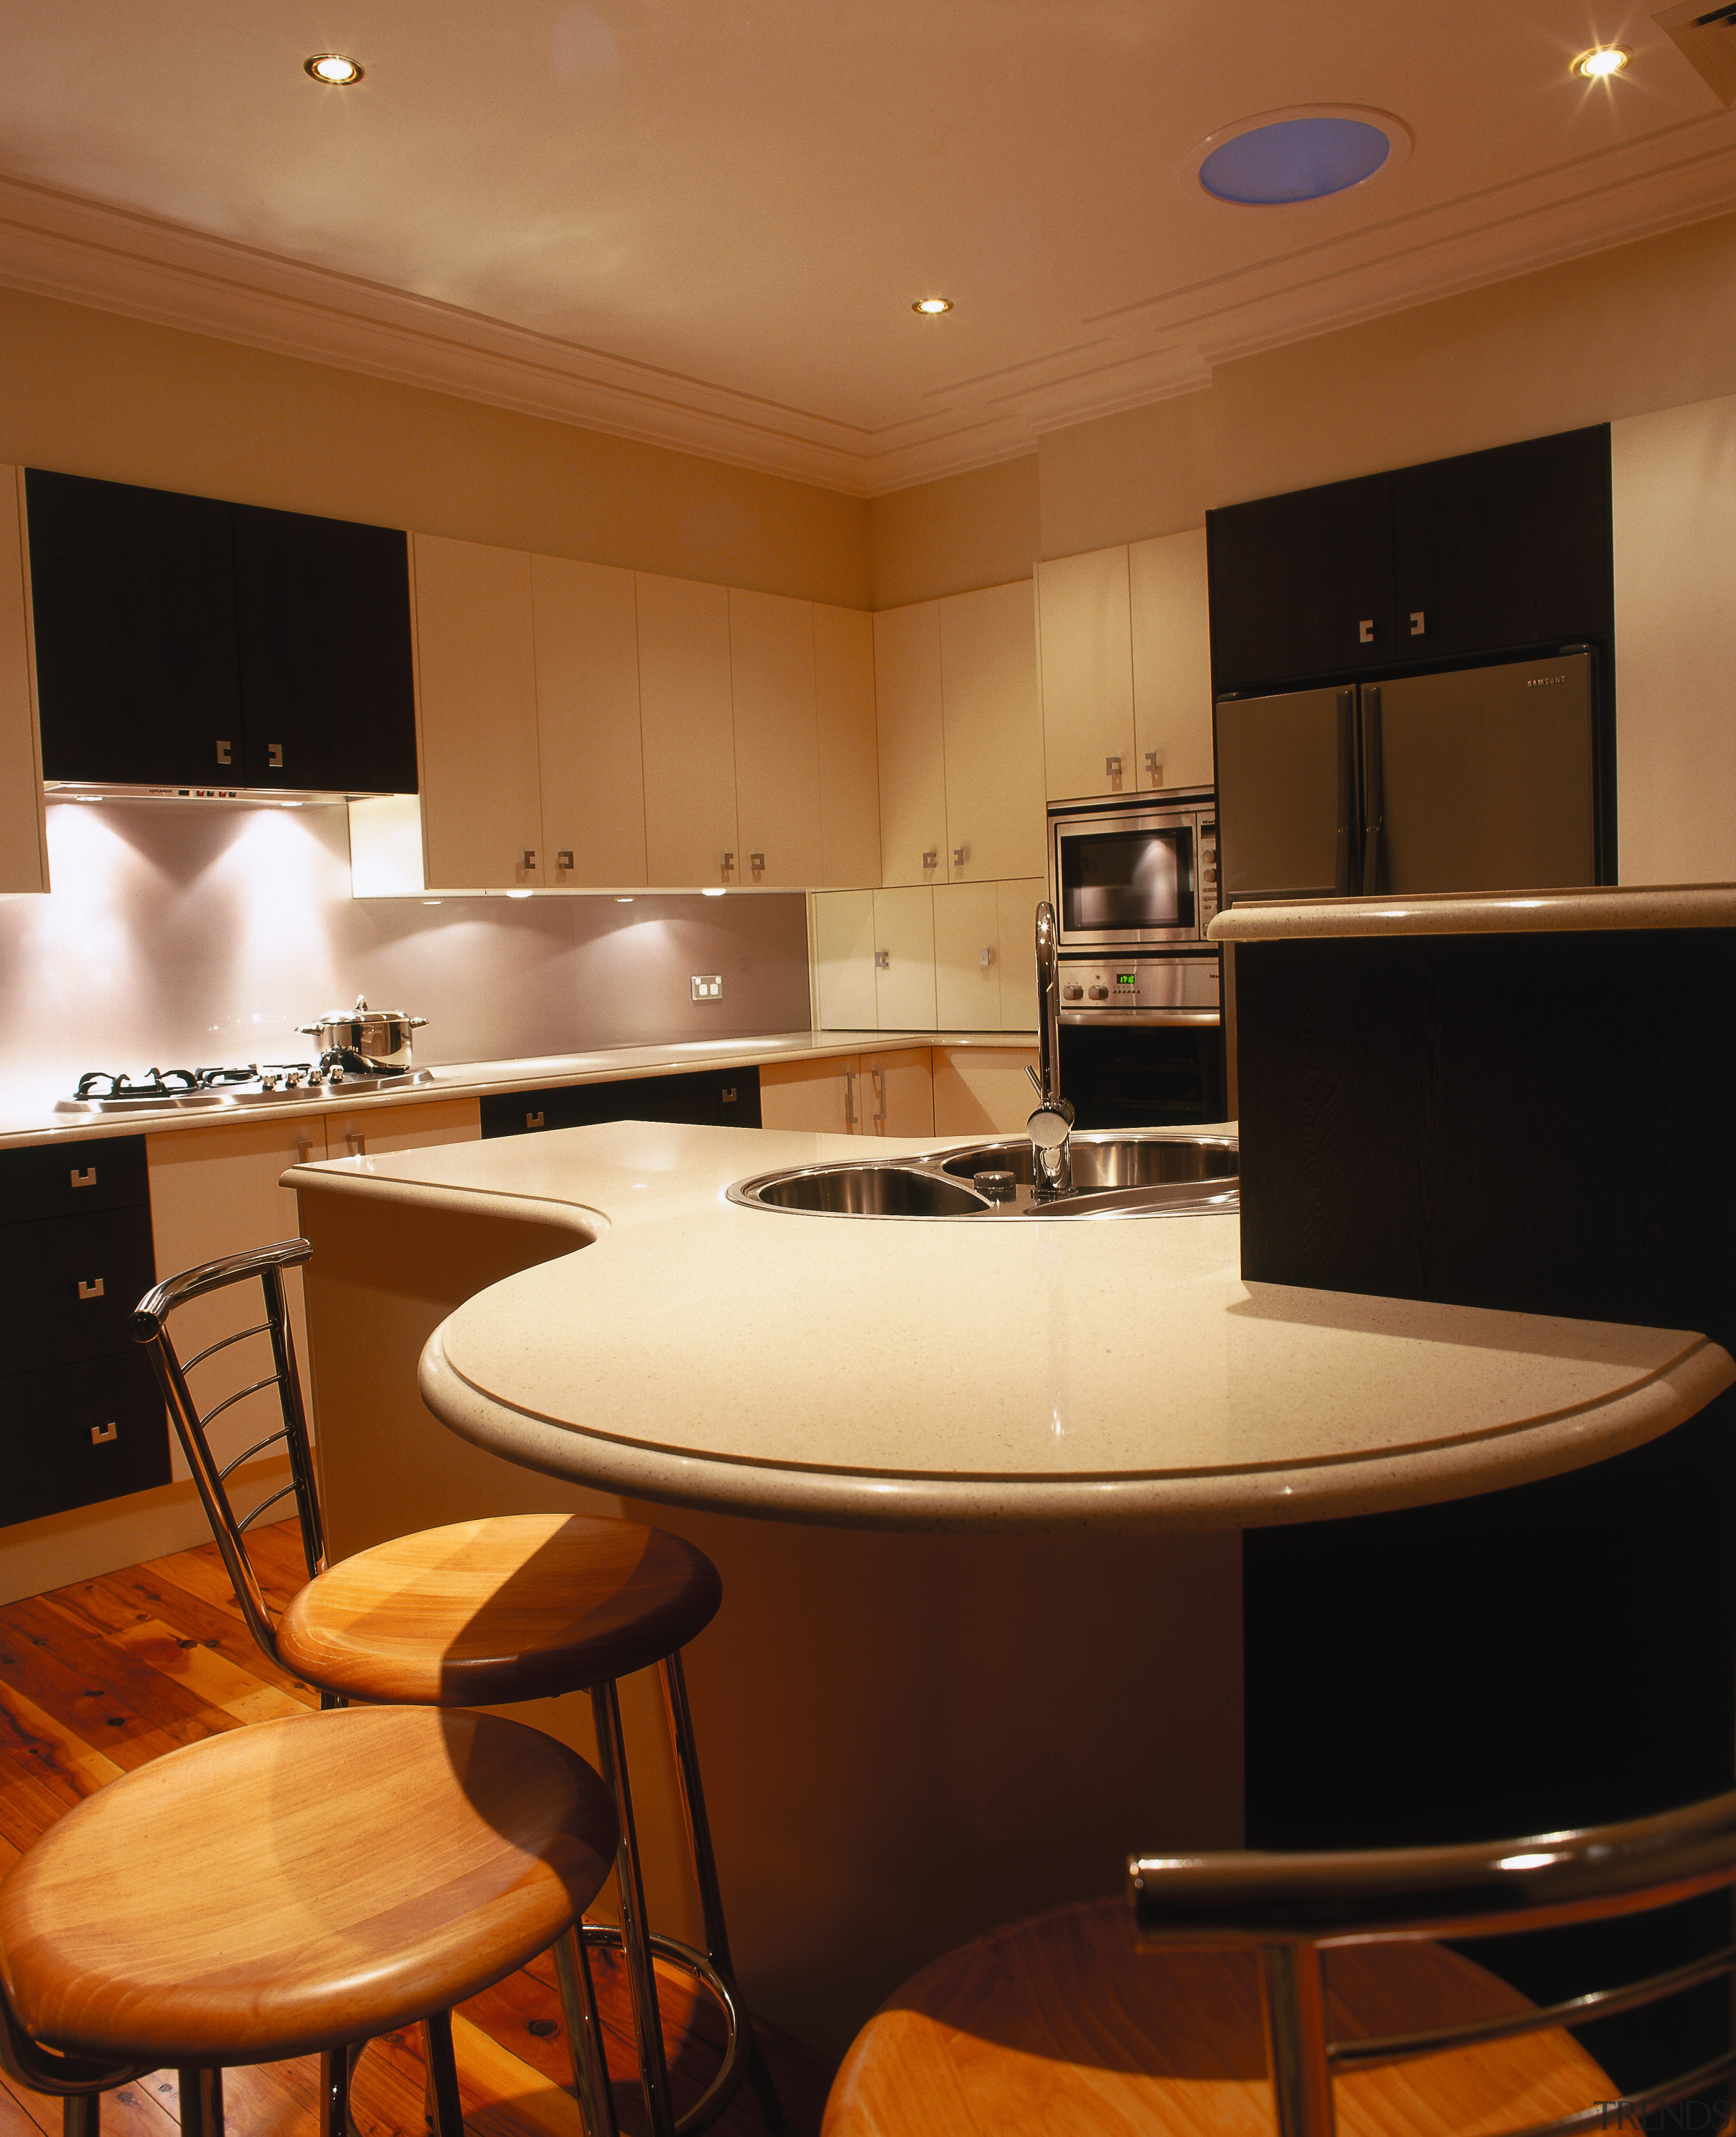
(88, 392)
(1674, 480)
(1646, 326)
(979, 530)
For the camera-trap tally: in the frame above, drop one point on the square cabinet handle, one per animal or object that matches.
(533, 1120)
(85, 1179)
(93, 1289)
(101, 1434)
(882, 960)
(275, 755)
(225, 752)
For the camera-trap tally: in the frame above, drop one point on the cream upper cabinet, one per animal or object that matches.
(587, 659)
(476, 716)
(913, 748)
(904, 996)
(967, 957)
(994, 734)
(23, 836)
(1172, 660)
(1086, 633)
(771, 665)
(849, 773)
(684, 701)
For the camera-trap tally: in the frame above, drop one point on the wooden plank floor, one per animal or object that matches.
(100, 1677)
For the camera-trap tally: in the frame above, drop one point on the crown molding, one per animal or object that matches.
(59, 244)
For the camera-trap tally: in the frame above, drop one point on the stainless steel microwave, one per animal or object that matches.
(1142, 871)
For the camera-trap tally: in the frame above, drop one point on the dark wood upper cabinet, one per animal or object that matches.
(1505, 549)
(133, 593)
(184, 641)
(1302, 585)
(1485, 554)
(323, 614)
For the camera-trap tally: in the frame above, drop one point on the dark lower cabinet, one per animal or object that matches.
(183, 641)
(77, 1434)
(1481, 1120)
(727, 1098)
(80, 1417)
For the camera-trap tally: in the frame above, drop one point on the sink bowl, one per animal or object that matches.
(1104, 1161)
(861, 1190)
(1114, 1175)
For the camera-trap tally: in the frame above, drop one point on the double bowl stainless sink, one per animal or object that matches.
(1136, 1173)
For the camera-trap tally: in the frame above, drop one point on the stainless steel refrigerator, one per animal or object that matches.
(1485, 778)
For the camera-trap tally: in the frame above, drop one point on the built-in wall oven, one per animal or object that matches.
(1135, 886)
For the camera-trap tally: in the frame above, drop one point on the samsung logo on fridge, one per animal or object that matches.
(1537, 681)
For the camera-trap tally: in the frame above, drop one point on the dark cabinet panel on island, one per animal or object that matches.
(182, 641)
(725, 1098)
(133, 598)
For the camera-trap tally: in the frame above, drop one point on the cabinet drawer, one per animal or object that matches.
(74, 1434)
(67, 1179)
(68, 1286)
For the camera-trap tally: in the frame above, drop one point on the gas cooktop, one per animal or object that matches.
(258, 1084)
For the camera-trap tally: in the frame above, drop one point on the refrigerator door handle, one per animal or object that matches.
(1373, 789)
(1349, 831)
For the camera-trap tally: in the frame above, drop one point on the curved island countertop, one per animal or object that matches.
(984, 1373)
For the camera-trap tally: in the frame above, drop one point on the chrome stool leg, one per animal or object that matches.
(641, 1975)
(202, 2103)
(584, 2035)
(705, 1871)
(437, 2047)
(81, 2115)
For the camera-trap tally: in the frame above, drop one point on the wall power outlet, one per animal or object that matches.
(707, 986)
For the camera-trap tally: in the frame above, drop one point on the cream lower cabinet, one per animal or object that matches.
(1126, 665)
(982, 1090)
(215, 1190)
(24, 833)
(867, 1094)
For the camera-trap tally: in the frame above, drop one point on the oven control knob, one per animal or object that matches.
(1072, 992)
(1100, 994)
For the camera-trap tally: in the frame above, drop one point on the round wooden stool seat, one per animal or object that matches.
(1058, 2028)
(300, 1884)
(487, 1613)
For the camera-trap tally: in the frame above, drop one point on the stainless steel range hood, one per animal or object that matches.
(282, 797)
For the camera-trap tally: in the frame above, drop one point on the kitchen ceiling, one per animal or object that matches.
(704, 222)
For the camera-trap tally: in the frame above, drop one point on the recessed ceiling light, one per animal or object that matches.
(335, 69)
(932, 307)
(1601, 62)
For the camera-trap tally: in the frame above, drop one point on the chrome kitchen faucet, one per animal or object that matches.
(1051, 1126)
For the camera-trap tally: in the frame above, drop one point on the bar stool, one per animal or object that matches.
(298, 1886)
(1242, 1993)
(483, 1612)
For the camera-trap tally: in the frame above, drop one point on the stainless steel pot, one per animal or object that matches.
(380, 1037)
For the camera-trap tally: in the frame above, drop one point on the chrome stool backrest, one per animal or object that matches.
(1290, 1908)
(150, 1328)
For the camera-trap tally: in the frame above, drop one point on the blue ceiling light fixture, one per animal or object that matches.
(1286, 157)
